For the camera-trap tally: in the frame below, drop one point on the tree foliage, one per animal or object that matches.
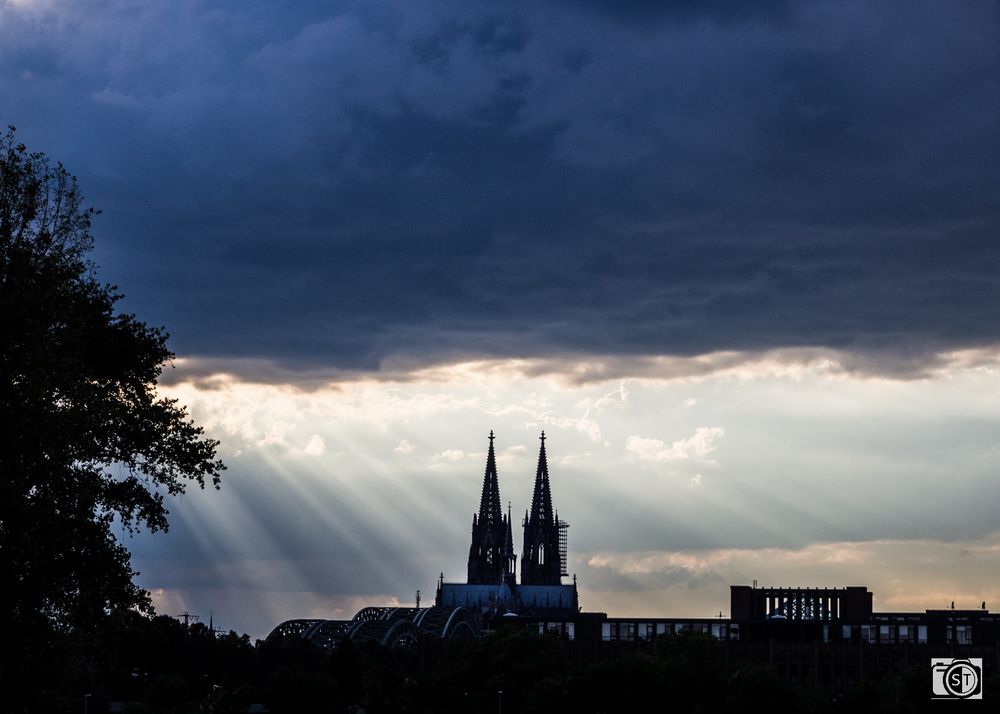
(84, 438)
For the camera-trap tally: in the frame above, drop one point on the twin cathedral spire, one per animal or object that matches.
(491, 555)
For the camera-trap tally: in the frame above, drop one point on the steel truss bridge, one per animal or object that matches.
(386, 626)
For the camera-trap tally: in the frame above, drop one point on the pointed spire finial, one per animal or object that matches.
(491, 436)
(542, 437)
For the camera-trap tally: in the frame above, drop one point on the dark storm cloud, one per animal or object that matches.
(337, 187)
(685, 10)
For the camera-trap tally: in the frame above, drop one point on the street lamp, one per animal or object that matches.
(136, 674)
(499, 701)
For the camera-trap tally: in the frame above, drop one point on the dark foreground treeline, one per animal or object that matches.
(159, 666)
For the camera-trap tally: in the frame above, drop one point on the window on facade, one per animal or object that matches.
(661, 627)
(605, 631)
(921, 634)
(541, 555)
(869, 633)
(845, 632)
(885, 633)
(963, 634)
(570, 630)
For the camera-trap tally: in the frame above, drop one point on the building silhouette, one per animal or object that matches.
(491, 588)
(543, 559)
(490, 556)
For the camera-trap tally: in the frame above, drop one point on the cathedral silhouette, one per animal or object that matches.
(491, 588)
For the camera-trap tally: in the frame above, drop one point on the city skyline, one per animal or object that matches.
(737, 260)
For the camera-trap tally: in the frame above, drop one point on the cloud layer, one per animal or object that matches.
(341, 186)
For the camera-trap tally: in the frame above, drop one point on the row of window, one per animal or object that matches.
(649, 630)
(872, 634)
(888, 634)
(563, 629)
(892, 634)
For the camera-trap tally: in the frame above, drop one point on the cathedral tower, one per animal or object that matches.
(487, 559)
(544, 554)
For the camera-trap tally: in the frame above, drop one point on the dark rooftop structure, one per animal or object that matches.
(850, 604)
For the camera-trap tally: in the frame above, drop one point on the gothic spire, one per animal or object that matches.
(509, 544)
(541, 498)
(490, 510)
(488, 528)
(541, 559)
(509, 558)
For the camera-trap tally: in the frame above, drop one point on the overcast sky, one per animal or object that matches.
(740, 260)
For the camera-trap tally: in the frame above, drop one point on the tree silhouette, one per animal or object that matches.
(84, 440)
